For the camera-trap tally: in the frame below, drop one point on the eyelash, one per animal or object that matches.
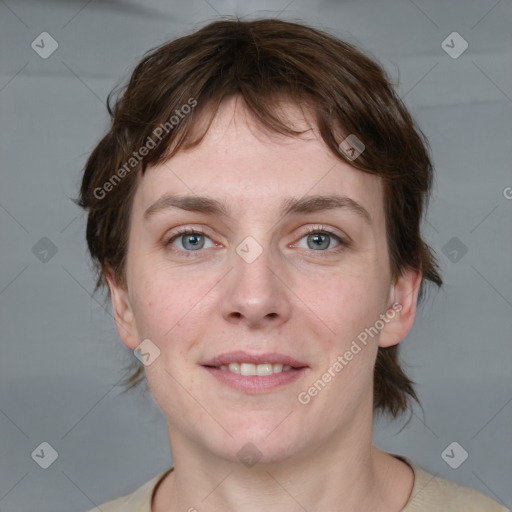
(343, 243)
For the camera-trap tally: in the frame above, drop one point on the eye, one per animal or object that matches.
(319, 239)
(190, 240)
(322, 239)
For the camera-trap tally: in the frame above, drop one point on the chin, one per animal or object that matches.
(261, 444)
(249, 453)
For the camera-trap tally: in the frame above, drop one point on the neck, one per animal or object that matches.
(338, 475)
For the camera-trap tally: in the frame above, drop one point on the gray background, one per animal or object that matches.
(60, 355)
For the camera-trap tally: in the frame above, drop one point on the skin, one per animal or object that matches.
(295, 299)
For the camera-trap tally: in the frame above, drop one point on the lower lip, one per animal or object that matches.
(255, 383)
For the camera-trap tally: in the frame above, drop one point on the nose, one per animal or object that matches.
(255, 292)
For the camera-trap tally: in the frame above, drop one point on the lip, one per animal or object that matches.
(253, 384)
(245, 357)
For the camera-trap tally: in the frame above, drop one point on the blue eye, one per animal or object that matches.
(321, 240)
(191, 240)
(323, 243)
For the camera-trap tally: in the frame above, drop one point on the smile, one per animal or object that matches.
(261, 370)
(255, 373)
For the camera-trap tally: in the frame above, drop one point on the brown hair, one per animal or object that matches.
(264, 61)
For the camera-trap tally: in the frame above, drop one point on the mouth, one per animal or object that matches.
(262, 370)
(253, 373)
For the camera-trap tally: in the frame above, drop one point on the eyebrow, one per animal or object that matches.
(304, 205)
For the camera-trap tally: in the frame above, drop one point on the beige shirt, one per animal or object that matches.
(429, 494)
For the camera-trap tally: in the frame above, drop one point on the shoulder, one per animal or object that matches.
(431, 493)
(137, 501)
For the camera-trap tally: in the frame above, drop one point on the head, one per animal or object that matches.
(252, 114)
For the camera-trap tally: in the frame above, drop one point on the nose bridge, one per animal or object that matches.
(255, 293)
(253, 264)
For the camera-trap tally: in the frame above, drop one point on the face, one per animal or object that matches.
(252, 294)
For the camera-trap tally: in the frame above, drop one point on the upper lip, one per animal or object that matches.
(244, 357)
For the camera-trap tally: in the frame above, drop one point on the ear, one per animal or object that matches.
(402, 308)
(123, 312)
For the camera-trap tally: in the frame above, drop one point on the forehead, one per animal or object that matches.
(243, 164)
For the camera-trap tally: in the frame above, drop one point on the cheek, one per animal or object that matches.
(174, 314)
(349, 302)
(158, 306)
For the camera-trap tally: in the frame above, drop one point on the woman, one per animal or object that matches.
(254, 210)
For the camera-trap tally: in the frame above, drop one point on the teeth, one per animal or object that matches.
(264, 369)
(248, 369)
(233, 367)
(277, 368)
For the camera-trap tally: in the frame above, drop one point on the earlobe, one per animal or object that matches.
(123, 312)
(402, 312)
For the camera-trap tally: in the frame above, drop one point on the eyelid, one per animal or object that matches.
(344, 241)
(185, 230)
(320, 228)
